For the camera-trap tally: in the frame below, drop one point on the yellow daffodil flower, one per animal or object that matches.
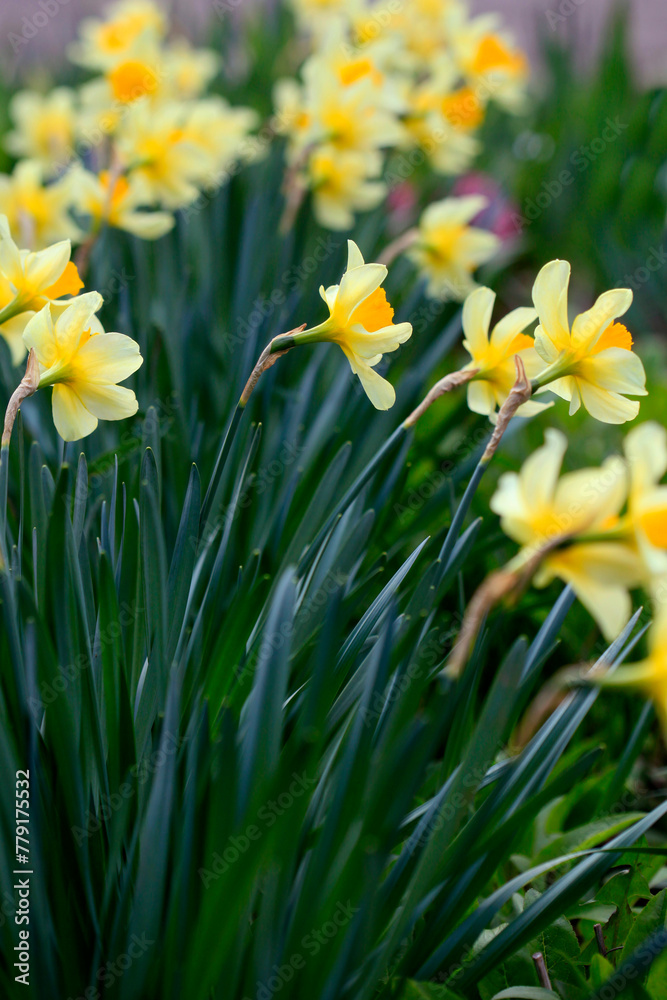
(541, 511)
(37, 212)
(592, 363)
(83, 366)
(361, 323)
(44, 127)
(489, 60)
(350, 118)
(118, 202)
(154, 146)
(436, 123)
(448, 248)
(28, 281)
(220, 134)
(105, 43)
(188, 71)
(493, 355)
(343, 183)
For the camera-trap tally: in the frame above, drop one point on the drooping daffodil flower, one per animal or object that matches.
(361, 322)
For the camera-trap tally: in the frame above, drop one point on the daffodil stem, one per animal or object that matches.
(26, 387)
(278, 346)
(446, 384)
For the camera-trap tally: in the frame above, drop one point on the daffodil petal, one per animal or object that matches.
(107, 402)
(43, 269)
(380, 392)
(75, 319)
(550, 299)
(355, 286)
(382, 341)
(540, 471)
(545, 347)
(481, 398)
(615, 369)
(510, 326)
(608, 407)
(588, 326)
(645, 448)
(588, 497)
(39, 334)
(600, 575)
(476, 319)
(354, 257)
(73, 421)
(107, 358)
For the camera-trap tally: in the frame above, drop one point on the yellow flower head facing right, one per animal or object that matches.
(591, 363)
(361, 322)
(83, 364)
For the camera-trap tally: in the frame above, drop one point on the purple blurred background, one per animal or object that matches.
(52, 23)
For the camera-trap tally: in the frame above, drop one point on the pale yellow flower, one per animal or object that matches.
(422, 25)
(361, 323)
(154, 145)
(343, 183)
(119, 201)
(493, 355)
(592, 363)
(541, 511)
(429, 124)
(442, 118)
(489, 60)
(27, 282)
(105, 43)
(83, 366)
(448, 249)
(44, 127)
(220, 134)
(350, 119)
(188, 71)
(38, 213)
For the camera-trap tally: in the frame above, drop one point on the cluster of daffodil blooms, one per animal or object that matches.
(69, 348)
(412, 78)
(589, 363)
(137, 141)
(603, 531)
